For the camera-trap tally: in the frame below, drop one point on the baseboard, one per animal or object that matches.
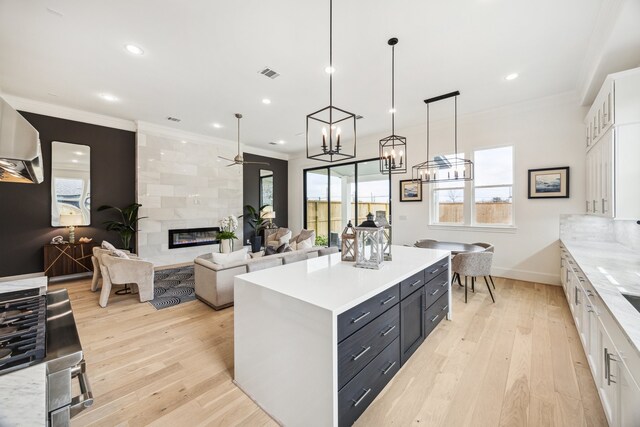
(21, 276)
(527, 276)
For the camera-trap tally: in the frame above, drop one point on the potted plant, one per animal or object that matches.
(228, 227)
(128, 226)
(258, 223)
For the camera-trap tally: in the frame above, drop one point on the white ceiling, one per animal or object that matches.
(202, 58)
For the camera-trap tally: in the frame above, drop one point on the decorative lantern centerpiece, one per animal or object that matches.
(381, 220)
(369, 244)
(349, 248)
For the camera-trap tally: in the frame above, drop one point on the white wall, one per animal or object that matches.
(182, 185)
(547, 132)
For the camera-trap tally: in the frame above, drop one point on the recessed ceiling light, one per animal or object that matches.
(108, 97)
(217, 125)
(512, 76)
(74, 160)
(282, 142)
(330, 70)
(78, 153)
(266, 101)
(183, 141)
(134, 50)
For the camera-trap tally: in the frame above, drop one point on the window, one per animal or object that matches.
(487, 201)
(338, 194)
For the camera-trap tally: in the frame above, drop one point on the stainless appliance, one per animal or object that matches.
(20, 153)
(41, 329)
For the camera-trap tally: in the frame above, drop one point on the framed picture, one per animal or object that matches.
(549, 183)
(410, 191)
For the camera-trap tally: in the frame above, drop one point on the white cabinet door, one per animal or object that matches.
(606, 190)
(608, 389)
(629, 398)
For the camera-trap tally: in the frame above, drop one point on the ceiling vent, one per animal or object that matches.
(358, 117)
(273, 143)
(174, 119)
(266, 71)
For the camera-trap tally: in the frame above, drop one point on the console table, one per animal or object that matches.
(67, 258)
(315, 341)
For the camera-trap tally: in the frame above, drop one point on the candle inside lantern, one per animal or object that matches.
(324, 140)
(338, 139)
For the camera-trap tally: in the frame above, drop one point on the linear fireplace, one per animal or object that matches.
(184, 238)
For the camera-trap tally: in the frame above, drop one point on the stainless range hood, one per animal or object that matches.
(20, 153)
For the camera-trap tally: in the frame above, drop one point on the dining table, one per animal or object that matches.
(454, 247)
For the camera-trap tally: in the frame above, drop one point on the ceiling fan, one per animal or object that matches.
(238, 159)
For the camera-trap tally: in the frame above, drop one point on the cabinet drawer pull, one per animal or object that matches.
(434, 292)
(357, 356)
(388, 300)
(590, 293)
(385, 371)
(357, 402)
(359, 318)
(388, 331)
(444, 284)
(434, 271)
(415, 283)
(445, 307)
(435, 318)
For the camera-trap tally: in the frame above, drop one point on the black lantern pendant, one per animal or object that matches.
(393, 148)
(442, 168)
(331, 131)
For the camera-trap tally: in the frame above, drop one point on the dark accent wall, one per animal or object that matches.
(251, 188)
(25, 209)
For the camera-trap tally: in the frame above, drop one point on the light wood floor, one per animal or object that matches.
(516, 362)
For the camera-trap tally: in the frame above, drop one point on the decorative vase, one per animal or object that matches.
(226, 246)
(256, 243)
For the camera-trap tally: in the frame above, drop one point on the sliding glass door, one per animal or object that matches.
(335, 195)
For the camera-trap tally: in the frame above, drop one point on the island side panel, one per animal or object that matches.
(285, 355)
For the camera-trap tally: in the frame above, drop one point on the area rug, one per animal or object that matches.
(173, 286)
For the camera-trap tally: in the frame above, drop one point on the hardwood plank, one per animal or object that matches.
(491, 365)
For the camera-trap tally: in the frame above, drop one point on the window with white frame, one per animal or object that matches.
(487, 201)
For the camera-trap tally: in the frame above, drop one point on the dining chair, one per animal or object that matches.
(473, 264)
(488, 247)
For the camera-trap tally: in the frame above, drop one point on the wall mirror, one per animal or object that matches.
(266, 187)
(70, 184)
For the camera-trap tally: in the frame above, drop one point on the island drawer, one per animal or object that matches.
(360, 315)
(360, 348)
(434, 314)
(436, 269)
(354, 398)
(411, 284)
(436, 288)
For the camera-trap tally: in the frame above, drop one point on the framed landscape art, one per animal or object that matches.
(549, 183)
(410, 191)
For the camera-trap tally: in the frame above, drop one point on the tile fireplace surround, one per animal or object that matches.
(182, 185)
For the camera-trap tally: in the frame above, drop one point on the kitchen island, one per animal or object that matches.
(317, 340)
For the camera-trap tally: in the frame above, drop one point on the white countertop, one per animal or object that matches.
(23, 397)
(329, 283)
(22, 284)
(612, 269)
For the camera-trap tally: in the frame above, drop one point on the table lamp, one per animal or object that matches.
(268, 213)
(71, 220)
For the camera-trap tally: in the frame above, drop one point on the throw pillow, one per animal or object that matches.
(119, 253)
(305, 234)
(270, 250)
(282, 248)
(293, 245)
(288, 249)
(223, 259)
(285, 238)
(108, 246)
(305, 244)
(255, 255)
(281, 232)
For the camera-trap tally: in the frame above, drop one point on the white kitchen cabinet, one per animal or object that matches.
(612, 133)
(608, 389)
(629, 398)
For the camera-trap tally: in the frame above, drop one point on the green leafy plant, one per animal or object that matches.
(255, 219)
(128, 226)
(322, 240)
(227, 235)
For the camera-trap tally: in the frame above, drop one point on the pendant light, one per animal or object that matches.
(441, 168)
(393, 148)
(331, 131)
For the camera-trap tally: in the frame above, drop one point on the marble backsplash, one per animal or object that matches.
(182, 184)
(598, 229)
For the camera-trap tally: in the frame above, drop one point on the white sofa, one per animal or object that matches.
(214, 282)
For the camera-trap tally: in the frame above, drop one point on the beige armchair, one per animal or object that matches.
(125, 271)
(95, 260)
(275, 237)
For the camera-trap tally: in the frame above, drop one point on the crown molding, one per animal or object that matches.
(53, 110)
